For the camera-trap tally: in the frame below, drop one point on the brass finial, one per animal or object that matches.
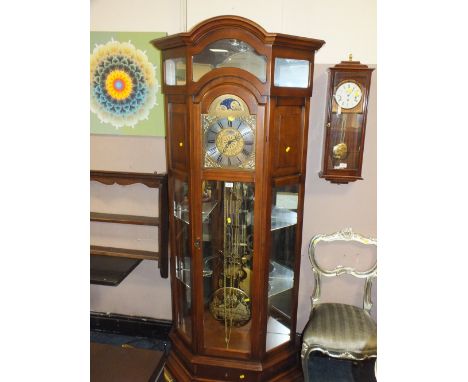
(350, 57)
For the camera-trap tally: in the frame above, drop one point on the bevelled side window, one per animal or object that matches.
(183, 259)
(229, 53)
(290, 73)
(285, 202)
(175, 71)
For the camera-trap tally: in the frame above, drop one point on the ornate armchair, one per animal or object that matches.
(340, 330)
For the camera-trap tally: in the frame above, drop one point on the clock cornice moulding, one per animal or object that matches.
(201, 30)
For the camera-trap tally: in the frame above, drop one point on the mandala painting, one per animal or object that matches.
(125, 86)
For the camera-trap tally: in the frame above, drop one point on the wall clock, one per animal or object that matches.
(347, 99)
(237, 108)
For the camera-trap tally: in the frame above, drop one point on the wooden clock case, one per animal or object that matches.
(282, 121)
(346, 71)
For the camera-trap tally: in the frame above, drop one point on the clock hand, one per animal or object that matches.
(227, 146)
(234, 139)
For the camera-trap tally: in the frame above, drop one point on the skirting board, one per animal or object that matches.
(134, 325)
(131, 325)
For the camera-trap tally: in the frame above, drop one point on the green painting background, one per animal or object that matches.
(154, 125)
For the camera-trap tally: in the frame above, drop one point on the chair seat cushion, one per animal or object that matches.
(341, 330)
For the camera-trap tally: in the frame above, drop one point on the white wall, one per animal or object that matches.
(346, 26)
(137, 16)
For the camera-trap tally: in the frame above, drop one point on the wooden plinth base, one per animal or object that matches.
(183, 366)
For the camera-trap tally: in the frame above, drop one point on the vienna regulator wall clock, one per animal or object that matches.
(345, 129)
(237, 110)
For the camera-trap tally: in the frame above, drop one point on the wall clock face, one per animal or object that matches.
(229, 136)
(348, 95)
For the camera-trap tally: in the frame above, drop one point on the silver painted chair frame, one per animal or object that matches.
(344, 235)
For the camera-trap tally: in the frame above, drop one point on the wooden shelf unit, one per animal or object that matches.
(98, 250)
(124, 219)
(118, 258)
(110, 271)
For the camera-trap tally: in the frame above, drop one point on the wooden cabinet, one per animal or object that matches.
(237, 112)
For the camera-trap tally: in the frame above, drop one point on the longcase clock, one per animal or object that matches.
(237, 116)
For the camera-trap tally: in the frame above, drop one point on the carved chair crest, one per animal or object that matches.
(348, 235)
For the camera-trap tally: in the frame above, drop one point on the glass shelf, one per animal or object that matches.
(281, 279)
(183, 274)
(282, 218)
(183, 271)
(207, 208)
(277, 333)
(182, 212)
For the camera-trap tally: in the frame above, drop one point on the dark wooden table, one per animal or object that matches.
(110, 363)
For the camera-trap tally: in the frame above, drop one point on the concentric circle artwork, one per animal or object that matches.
(123, 84)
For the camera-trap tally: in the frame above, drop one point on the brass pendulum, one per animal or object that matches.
(340, 151)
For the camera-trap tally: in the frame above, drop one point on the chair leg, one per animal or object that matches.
(305, 363)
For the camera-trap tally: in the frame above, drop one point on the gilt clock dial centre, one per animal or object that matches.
(229, 142)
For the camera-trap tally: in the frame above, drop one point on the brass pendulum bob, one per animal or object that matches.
(340, 151)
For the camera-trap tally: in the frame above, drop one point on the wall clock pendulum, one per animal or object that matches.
(237, 107)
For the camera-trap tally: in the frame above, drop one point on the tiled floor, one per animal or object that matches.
(321, 368)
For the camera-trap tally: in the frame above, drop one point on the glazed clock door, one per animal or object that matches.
(228, 143)
(284, 250)
(346, 119)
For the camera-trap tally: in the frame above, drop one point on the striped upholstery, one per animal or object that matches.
(341, 330)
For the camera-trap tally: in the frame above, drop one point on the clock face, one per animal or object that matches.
(348, 95)
(229, 142)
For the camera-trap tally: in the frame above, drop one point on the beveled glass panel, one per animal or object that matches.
(229, 53)
(227, 264)
(175, 71)
(282, 259)
(182, 257)
(292, 73)
(345, 141)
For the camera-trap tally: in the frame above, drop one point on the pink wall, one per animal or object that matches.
(328, 208)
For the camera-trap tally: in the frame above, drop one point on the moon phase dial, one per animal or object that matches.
(229, 142)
